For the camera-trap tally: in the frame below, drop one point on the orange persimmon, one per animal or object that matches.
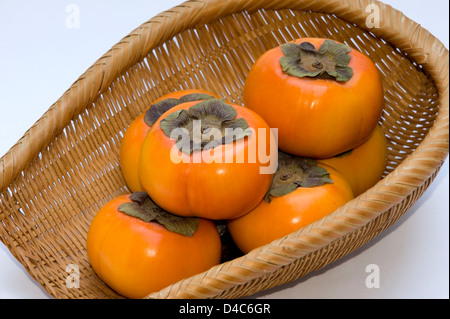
(364, 165)
(302, 192)
(136, 249)
(324, 97)
(208, 159)
(134, 135)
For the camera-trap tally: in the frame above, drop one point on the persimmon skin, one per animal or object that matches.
(316, 118)
(288, 213)
(136, 258)
(363, 166)
(129, 152)
(134, 138)
(218, 189)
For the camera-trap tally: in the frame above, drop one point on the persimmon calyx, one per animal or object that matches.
(155, 111)
(143, 207)
(329, 62)
(294, 172)
(204, 126)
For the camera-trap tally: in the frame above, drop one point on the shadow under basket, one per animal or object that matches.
(66, 166)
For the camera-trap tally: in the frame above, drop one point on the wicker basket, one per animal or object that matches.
(65, 167)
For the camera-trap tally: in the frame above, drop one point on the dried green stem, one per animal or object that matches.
(294, 172)
(329, 62)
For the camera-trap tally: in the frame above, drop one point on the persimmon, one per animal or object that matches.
(324, 97)
(134, 135)
(209, 159)
(364, 165)
(302, 192)
(137, 248)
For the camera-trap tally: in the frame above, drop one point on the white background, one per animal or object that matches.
(40, 57)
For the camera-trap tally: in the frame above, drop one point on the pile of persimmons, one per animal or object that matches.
(199, 168)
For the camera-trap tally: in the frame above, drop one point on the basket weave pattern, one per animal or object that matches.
(65, 167)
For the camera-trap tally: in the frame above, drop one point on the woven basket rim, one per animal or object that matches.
(418, 43)
(120, 57)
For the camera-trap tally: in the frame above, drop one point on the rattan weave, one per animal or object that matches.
(66, 166)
